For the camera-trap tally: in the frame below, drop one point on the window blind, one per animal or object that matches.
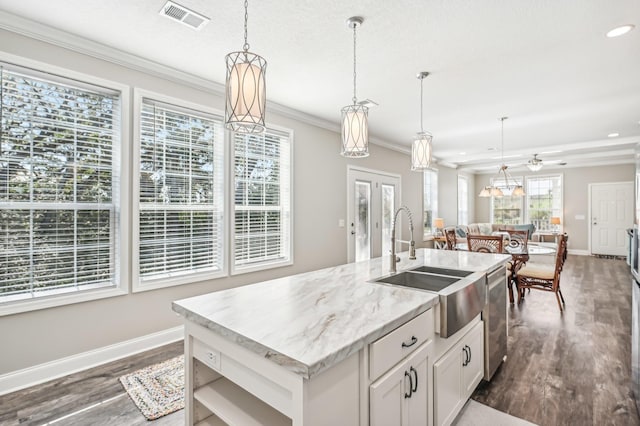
(262, 199)
(181, 191)
(59, 156)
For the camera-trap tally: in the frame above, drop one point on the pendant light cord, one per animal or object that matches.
(246, 18)
(355, 99)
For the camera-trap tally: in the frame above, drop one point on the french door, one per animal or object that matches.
(372, 198)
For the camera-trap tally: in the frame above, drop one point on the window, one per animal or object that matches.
(506, 210)
(430, 191)
(59, 186)
(463, 200)
(262, 207)
(544, 200)
(180, 194)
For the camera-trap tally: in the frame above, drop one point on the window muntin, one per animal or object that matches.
(181, 193)
(430, 200)
(544, 200)
(59, 185)
(463, 200)
(507, 210)
(262, 200)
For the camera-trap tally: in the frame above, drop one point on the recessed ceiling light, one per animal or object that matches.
(550, 152)
(616, 32)
(613, 135)
(462, 153)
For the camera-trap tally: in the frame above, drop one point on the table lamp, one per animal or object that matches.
(555, 221)
(438, 223)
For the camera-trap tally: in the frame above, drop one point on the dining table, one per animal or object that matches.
(519, 256)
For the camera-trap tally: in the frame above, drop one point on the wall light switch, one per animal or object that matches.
(341, 223)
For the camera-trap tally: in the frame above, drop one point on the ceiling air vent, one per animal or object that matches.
(183, 15)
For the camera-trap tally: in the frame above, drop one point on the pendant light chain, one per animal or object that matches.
(246, 19)
(421, 102)
(502, 139)
(355, 99)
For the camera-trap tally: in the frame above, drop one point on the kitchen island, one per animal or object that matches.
(311, 348)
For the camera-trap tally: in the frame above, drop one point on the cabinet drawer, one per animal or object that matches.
(388, 350)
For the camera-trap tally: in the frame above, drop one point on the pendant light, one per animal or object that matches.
(245, 88)
(495, 191)
(421, 148)
(355, 125)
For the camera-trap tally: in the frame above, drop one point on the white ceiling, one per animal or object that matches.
(544, 63)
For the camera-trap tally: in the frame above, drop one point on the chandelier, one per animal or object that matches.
(503, 174)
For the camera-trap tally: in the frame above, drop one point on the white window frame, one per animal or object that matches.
(561, 209)
(463, 200)
(260, 266)
(121, 230)
(429, 231)
(138, 284)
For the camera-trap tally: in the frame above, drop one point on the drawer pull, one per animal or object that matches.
(414, 340)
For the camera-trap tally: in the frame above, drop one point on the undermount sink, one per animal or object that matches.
(461, 294)
(418, 280)
(442, 271)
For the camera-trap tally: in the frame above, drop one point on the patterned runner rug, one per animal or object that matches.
(157, 390)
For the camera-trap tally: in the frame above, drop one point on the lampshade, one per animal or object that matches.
(421, 151)
(518, 191)
(496, 192)
(555, 220)
(245, 92)
(534, 167)
(355, 131)
(438, 222)
(486, 192)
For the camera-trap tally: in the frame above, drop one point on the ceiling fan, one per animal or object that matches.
(535, 163)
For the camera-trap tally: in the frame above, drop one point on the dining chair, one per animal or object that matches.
(544, 277)
(450, 237)
(517, 238)
(485, 243)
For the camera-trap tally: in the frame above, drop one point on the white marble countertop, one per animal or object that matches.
(309, 322)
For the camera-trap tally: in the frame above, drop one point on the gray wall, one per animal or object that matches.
(319, 193)
(575, 193)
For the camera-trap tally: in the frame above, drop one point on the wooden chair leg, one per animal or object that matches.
(559, 304)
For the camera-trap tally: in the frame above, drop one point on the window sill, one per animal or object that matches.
(239, 270)
(172, 281)
(44, 302)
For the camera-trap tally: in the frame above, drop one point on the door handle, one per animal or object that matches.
(415, 373)
(406, 374)
(353, 232)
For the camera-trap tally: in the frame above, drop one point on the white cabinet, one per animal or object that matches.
(456, 375)
(400, 396)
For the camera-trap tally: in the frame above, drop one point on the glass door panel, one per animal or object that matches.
(363, 220)
(388, 208)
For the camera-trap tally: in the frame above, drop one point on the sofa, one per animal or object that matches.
(488, 228)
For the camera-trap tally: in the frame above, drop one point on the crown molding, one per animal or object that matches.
(94, 49)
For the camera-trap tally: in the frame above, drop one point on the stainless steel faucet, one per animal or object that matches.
(412, 243)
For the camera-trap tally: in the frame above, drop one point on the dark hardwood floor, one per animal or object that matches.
(570, 369)
(92, 397)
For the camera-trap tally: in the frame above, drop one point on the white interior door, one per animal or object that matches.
(611, 213)
(372, 198)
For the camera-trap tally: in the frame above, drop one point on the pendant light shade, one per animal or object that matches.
(355, 131)
(245, 88)
(355, 117)
(421, 152)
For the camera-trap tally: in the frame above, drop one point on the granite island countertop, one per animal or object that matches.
(309, 322)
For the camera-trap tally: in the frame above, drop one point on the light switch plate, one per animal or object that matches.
(341, 223)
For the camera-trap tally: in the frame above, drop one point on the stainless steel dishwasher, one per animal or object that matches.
(494, 316)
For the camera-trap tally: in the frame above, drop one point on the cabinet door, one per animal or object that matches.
(418, 411)
(447, 385)
(391, 399)
(472, 373)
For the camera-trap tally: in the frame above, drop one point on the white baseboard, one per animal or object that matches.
(579, 252)
(41, 373)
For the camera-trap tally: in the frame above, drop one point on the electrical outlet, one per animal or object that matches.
(213, 359)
